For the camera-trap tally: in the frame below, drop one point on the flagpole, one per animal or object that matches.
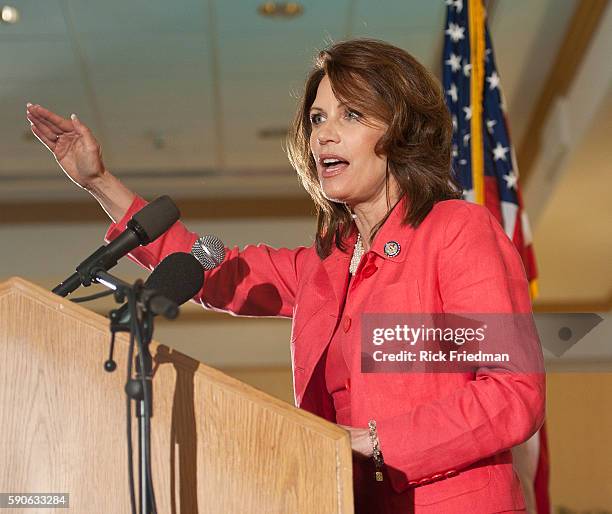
(477, 53)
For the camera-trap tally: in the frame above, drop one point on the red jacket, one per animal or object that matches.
(445, 437)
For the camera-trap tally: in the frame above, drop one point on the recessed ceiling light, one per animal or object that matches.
(9, 15)
(280, 9)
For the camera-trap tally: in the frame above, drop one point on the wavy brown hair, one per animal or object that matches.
(387, 84)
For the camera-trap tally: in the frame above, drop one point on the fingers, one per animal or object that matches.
(43, 123)
(48, 127)
(43, 139)
(80, 127)
(42, 128)
(50, 117)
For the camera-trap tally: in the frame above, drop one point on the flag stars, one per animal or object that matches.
(511, 180)
(490, 125)
(452, 92)
(455, 123)
(466, 139)
(468, 113)
(455, 151)
(499, 152)
(455, 32)
(457, 4)
(467, 67)
(493, 81)
(454, 61)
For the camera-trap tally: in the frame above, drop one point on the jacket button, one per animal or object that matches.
(451, 473)
(412, 482)
(437, 476)
(424, 481)
(369, 270)
(346, 323)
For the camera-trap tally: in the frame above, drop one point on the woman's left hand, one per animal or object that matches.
(360, 440)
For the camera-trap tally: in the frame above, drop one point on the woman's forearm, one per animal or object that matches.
(114, 197)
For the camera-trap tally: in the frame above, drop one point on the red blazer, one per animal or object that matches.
(445, 437)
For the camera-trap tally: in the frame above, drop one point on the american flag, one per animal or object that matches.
(495, 182)
(485, 165)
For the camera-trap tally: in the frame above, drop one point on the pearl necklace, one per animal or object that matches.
(357, 254)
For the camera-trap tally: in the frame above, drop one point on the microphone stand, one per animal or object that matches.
(140, 389)
(143, 304)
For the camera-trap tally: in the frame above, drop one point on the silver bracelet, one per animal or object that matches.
(376, 453)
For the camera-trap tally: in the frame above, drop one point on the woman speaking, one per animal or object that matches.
(371, 142)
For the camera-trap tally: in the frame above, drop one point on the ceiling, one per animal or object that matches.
(178, 93)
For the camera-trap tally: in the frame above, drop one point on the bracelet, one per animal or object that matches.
(376, 453)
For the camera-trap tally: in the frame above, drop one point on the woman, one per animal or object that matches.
(371, 142)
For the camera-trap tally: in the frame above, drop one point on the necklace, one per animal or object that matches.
(357, 254)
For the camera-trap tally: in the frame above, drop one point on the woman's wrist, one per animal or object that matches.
(112, 195)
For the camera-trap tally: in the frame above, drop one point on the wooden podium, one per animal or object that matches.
(218, 445)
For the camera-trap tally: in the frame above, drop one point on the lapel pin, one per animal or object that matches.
(392, 248)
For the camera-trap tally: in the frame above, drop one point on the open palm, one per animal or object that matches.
(71, 142)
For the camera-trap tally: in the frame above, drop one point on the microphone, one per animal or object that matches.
(173, 282)
(145, 226)
(183, 282)
(209, 250)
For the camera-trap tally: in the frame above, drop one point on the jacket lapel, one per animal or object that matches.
(327, 294)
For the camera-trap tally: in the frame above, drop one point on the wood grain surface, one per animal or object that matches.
(218, 445)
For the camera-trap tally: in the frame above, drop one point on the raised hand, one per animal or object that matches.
(78, 154)
(71, 142)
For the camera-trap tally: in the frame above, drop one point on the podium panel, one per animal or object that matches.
(217, 444)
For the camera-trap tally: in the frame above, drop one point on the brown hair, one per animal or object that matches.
(387, 84)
